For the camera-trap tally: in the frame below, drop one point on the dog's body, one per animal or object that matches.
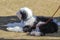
(50, 27)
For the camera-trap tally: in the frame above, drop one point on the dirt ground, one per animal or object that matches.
(8, 9)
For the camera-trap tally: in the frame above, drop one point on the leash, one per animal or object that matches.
(52, 15)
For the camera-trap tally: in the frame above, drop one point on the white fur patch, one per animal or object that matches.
(30, 21)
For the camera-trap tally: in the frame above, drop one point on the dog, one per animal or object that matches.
(35, 25)
(50, 27)
(31, 22)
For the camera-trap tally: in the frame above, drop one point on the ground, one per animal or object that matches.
(8, 9)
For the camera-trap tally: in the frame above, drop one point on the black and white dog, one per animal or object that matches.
(35, 25)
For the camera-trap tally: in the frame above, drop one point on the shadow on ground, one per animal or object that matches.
(10, 19)
(7, 19)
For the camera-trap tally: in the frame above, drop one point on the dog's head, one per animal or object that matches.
(25, 13)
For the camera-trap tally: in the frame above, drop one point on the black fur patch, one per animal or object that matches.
(24, 15)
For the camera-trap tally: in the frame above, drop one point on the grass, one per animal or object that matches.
(8, 9)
